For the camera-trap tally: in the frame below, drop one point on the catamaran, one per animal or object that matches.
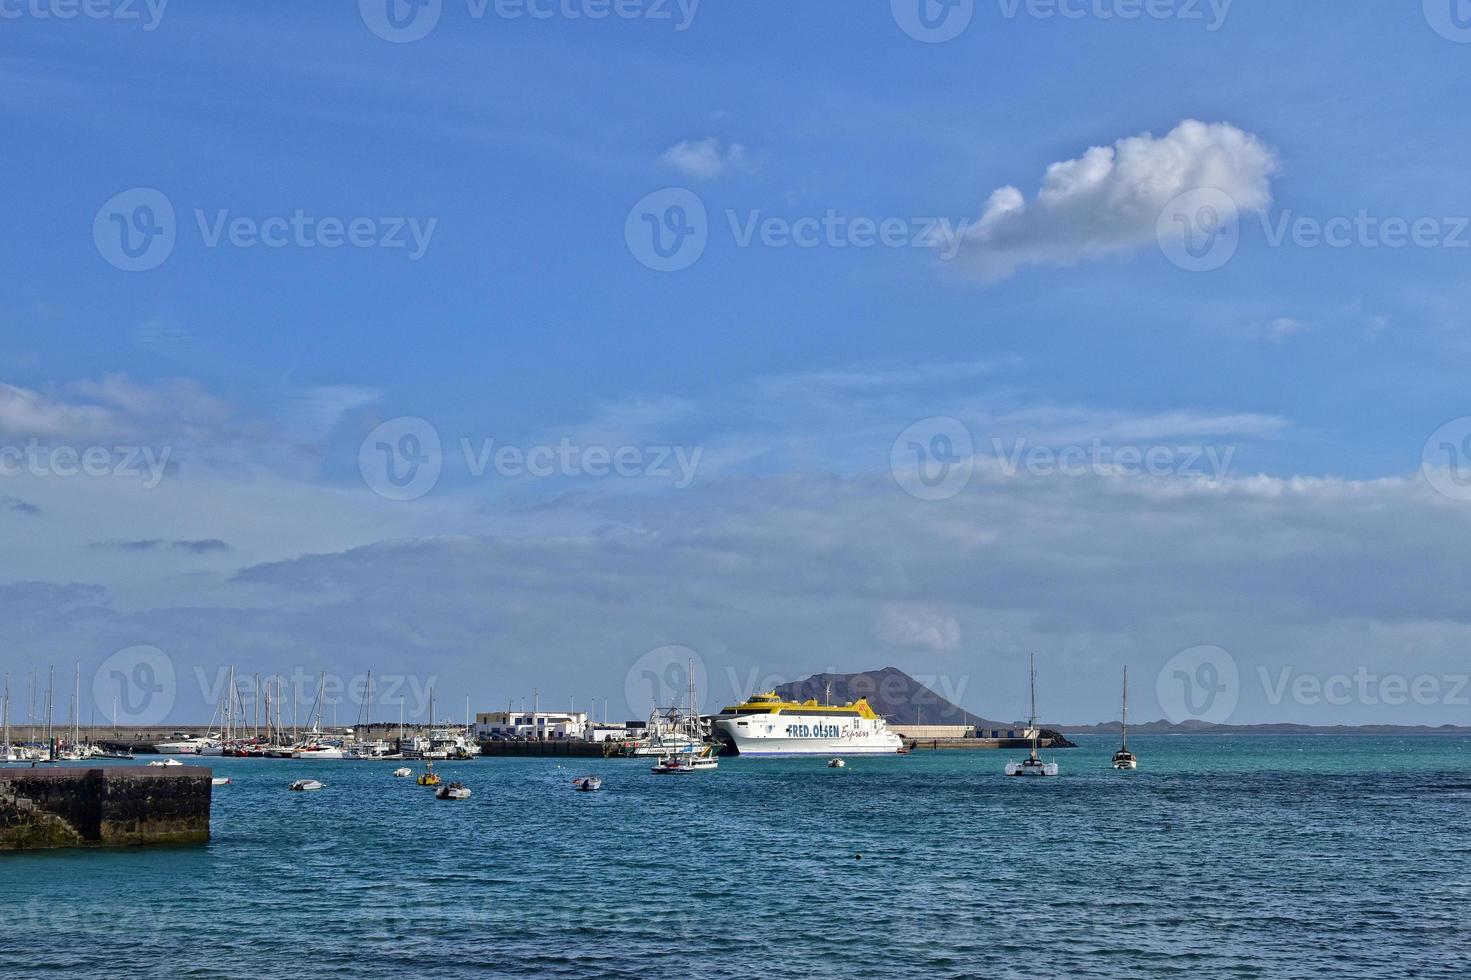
(1123, 758)
(1032, 765)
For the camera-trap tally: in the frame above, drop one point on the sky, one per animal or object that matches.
(526, 350)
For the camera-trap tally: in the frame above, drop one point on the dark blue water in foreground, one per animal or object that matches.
(1221, 857)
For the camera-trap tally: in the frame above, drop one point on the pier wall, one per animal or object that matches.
(111, 807)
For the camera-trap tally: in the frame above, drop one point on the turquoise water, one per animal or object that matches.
(1221, 857)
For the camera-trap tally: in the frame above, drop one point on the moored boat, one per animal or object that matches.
(306, 785)
(767, 725)
(1123, 758)
(1032, 765)
(454, 791)
(587, 784)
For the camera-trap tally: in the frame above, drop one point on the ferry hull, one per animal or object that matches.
(776, 745)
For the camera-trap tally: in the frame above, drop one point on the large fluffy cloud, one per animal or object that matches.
(1109, 200)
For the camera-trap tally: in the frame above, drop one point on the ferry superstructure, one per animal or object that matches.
(764, 724)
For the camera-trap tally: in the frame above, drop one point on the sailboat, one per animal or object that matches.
(8, 753)
(1123, 758)
(1032, 765)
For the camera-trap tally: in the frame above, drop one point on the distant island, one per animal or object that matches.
(905, 701)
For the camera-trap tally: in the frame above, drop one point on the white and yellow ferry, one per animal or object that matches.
(764, 724)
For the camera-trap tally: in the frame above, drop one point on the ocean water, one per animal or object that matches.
(1221, 857)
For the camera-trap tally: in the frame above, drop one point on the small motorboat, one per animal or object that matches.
(165, 762)
(428, 777)
(587, 784)
(403, 772)
(454, 791)
(836, 763)
(220, 781)
(305, 785)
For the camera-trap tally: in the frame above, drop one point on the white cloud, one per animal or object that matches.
(918, 628)
(1281, 328)
(706, 159)
(1108, 201)
(26, 413)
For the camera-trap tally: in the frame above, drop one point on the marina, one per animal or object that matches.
(546, 863)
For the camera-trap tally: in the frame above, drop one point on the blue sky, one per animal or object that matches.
(518, 146)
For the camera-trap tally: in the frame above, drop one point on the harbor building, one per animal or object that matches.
(530, 724)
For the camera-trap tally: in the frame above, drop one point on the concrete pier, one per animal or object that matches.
(112, 807)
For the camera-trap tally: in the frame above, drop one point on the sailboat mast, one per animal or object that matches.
(1033, 723)
(1124, 721)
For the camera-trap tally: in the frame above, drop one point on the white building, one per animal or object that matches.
(531, 724)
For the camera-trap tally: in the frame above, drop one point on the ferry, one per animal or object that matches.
(766, 725)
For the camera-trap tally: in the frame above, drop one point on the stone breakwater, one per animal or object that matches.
(112, 807)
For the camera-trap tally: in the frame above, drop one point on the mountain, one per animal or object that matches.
(891, 692)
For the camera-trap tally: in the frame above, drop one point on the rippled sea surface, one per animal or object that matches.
(1221, 857)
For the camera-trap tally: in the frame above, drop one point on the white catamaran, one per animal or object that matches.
(1032, 765)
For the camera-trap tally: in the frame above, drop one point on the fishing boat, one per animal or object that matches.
(836, 763)
(587, 784)
(454, 791)
(428, 777)
(403, 772)
(306, 785)
(679, 763)
(1123, 758)
(1032, 765)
